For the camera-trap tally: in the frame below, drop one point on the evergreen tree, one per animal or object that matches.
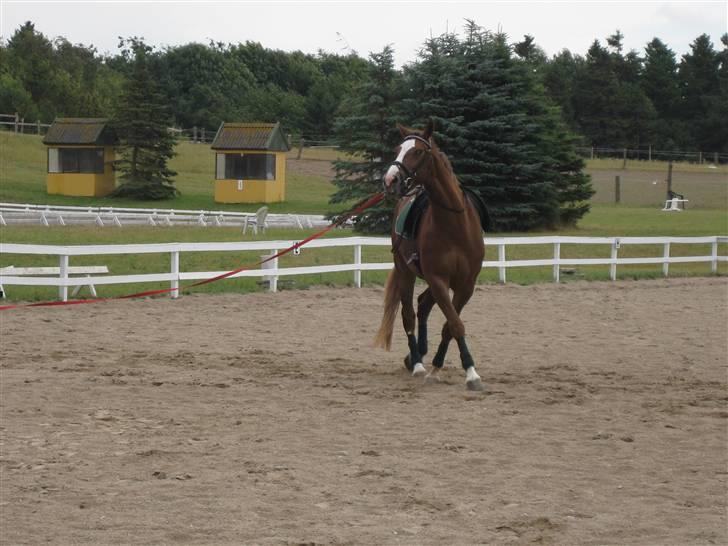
(366, 129)
(660, 85)
(500, 133)
(560, 75)
(700, 87)
(141, 122)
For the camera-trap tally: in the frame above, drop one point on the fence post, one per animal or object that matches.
(649, 154)
(669, 180)
(502, 258)
(15, 125)
(203, 135)
(613, 265)
(624, 158)
(37, 126)
(557, 258)
(194, 134)
(714, 255)
(63, 290)
(357, 263)
(22, 126)
(666, 256)
(300, 148)
(617, 189)
(174, 285)
(270, 264)
(592, 152)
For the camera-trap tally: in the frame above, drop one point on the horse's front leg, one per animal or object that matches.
(454, 328)
(413, 361)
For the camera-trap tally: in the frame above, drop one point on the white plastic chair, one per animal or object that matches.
(257, 221)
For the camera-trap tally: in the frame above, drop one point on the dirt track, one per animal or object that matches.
(267, 419)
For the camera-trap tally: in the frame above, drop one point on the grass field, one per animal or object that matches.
(22, 179)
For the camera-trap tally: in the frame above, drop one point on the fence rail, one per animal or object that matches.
(272, 272)
(21, 213)
(650, 154)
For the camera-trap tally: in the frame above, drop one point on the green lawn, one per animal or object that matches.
(22, 179)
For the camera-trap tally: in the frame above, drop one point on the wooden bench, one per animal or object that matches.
(84, 270)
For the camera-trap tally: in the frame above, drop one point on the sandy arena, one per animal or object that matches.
(269, 419)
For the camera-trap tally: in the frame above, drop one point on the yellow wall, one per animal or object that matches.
(85, 185)
(254, 191)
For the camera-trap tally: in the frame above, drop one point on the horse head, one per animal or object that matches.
(412, 158)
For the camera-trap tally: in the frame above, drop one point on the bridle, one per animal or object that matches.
(405, 182)
(404, 185)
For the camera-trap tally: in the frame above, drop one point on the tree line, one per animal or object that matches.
(508, 117)
(608, 96)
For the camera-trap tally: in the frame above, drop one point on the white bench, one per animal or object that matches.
(674, 204)
(85, 270)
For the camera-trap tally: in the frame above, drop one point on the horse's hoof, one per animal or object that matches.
(408, 363)
(419, 370)
(432, 379)
(475, 385)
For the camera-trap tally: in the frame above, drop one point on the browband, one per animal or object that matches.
(416, 137)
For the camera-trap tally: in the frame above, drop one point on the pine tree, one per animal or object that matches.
(368, 132)
(700, 87)
(142, 122)
(660, 85)
(500, 133)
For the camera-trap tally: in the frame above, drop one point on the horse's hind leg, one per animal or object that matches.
(413, 361)
(425, 303)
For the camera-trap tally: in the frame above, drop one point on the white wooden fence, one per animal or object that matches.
(47, 215)
(272, 272)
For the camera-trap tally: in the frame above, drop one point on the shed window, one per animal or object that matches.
(246, 167)
(76, 160)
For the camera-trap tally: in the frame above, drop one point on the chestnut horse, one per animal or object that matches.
(446, 251)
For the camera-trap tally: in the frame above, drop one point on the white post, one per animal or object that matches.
(714, 255)
(502, 258)
(666, 256)
(174, 285)
(63, 289)
(613, 265)
(271, 264)
(357, 263)
(557, 258)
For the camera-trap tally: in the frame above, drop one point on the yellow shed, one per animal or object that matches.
(250, 163)
(80, 157)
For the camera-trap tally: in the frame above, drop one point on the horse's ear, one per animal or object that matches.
(429, 129)
(402, 130)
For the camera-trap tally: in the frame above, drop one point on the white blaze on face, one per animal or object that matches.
(391, 173)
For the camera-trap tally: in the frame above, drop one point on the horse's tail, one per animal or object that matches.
(391, 306)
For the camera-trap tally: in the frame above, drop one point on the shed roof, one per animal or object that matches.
(250, 136)
(80, 131)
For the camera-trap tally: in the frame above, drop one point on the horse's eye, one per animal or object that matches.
(418, 152)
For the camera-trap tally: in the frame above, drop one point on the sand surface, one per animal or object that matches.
(269, 419)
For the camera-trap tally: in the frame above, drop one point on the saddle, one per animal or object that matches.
(408, 219)
(409, 216)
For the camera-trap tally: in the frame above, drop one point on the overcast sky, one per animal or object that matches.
(366, 27)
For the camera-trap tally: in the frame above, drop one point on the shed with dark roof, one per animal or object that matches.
(80, 157)
(250, 163)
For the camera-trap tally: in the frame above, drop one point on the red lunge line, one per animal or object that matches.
(361, 206)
